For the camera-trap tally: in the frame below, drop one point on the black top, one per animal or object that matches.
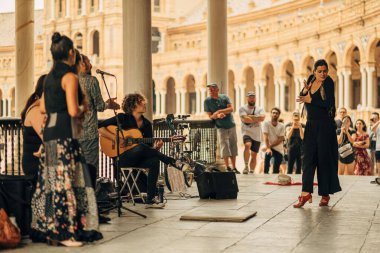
(319, 108)
(55, 96)
(295, 140)
(31, 144)
(127, 121)
(59, 124)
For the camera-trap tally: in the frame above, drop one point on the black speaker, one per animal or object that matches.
(217, 185)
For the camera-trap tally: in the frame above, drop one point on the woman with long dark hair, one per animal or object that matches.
(32, 121)
(64, 204)
(360, 141)
(320, 146)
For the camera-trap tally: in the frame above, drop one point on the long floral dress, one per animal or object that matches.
(362, 161)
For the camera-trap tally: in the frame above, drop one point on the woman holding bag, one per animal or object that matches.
(346, 152)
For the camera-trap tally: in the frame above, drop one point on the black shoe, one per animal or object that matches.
(104, 219)
(236, 171)
(229, 169)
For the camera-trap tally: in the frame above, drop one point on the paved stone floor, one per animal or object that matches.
(350, 224)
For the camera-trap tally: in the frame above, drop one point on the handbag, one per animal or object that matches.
(10, 236)
(345, 150)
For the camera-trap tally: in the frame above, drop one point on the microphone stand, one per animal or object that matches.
(119, 203)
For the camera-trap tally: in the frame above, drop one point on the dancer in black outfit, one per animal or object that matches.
(320, 145)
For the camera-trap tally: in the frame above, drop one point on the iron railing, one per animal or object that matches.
(200, 144)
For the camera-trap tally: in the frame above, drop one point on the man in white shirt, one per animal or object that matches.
(274, 135)
(251, 117)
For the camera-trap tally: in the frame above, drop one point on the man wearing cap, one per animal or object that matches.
(251, 117)
(295, 133)
(219, 108)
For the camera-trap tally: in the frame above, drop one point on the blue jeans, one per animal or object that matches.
(277, 162)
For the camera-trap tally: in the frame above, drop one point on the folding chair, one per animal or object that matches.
(127, 174)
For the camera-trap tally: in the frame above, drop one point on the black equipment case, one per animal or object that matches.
(217, 185)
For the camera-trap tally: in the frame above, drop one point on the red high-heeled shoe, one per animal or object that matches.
(324, 201)
(302, 200)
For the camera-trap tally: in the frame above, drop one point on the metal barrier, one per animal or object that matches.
(10, 146)
(200, 144)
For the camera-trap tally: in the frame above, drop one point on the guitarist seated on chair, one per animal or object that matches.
(142, 155)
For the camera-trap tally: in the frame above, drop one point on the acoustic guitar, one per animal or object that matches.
(132, 138)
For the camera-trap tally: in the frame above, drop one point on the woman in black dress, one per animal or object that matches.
(32, 120)
(320, 146)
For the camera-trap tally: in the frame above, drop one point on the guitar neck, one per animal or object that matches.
(151, 140)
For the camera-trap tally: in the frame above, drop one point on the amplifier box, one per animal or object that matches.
(217, 185)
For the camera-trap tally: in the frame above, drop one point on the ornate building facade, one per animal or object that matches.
(272, 46)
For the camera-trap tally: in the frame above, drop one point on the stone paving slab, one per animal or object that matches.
(350, 224)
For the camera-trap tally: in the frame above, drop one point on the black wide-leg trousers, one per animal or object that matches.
(320, 149)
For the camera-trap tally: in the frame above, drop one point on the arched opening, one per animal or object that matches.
(376, 90)
(190, 107)
(231, 93)
(308, 66)
(249, 79)
(269, 87)
(171, 98)
(355, 78)
(332, 61)
(290, 87)
(78, 41)
(95, 44)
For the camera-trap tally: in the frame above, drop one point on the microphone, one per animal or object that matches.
(98, 71)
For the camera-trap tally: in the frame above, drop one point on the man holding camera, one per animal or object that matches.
(251, 117)
(295, 134)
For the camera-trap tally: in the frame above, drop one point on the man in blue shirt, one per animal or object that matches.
(219, 108)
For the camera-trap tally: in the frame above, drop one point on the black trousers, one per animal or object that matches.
(320, 150)
(145, 156)
(294, 156)
(277, 162)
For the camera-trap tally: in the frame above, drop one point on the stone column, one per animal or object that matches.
(9, 107)
(340, 89)
(217, 44)
(163, 102)
(158, 103)
(4, 109)
(84, 7)
(137, 56)
(197, 101)
(364, 87)
(68, 3)
(282, 95)
(101, 5)
(277, 93)
(162, 44)
(203, 98)
(262, 95)
(347, 91)
(242, 97)
(297, 91)
(183, 101)
(178, 102)
(24, 52)
(370, 96)
(52, 9)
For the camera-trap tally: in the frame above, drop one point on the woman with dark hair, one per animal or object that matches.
(320, 146)
(347, 157)
(64, 204)
(360, 141)
(32, 121)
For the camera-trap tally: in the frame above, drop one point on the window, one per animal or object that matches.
(79, 7)
(95, 43)
(60, 8)
(92, 6)
(157, 7)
